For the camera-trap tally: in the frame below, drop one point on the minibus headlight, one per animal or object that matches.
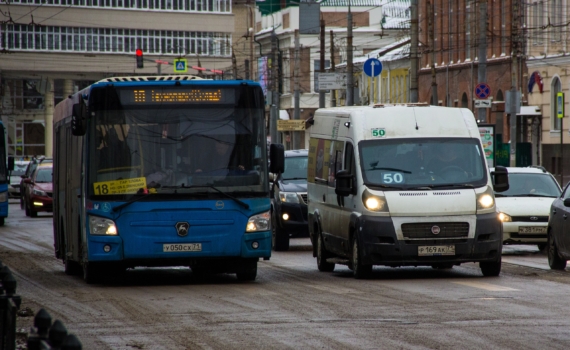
(102, 226)
(505, 217)
(374, 202)
(485, 200)
(259, 222)
(289, 197)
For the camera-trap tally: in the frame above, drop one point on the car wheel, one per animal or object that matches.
(322, 256)
(22, 202)
(490, 268)
(554, 260)
(27, 208)
(359, 270)
(280, 238)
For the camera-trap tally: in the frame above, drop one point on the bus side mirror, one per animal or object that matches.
(79, 118)
(10, 163)
(277, 158)
(344, 183)
(500, 179)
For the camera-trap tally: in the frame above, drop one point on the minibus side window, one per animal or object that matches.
(349, 161)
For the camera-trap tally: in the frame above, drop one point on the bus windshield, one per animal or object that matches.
(176, 141)
(416, 163)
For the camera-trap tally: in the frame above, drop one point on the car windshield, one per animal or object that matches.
(19, 169)
(44, 175)
(419, 163)
(531, 185)
(295, 168)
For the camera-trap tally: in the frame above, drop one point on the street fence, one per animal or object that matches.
(43, 336)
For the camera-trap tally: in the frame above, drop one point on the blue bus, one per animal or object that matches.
(162, 171)
(6, 165)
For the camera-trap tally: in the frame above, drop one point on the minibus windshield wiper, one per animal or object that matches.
(390, 169)
(243, 204)
(450, 185)
(382, 187)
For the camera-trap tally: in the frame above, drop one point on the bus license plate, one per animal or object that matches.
(532, 229)
(183, 247)
(435, 250)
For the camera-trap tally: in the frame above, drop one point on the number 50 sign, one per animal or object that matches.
(378, 132)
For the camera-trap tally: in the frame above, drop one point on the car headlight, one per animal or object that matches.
(374, 202)
(505, 217)
(259, 222)
(102, 226)
(3, 196)
(39, 192)
(289, 197)
(486, 200)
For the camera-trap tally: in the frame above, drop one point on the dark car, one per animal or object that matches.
(558, 239)
(32, 165)
(38, 195)
(290, 200)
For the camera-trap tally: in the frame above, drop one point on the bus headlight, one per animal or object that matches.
(374, 202)
(259, 222)
(289, 197)
(102, 226)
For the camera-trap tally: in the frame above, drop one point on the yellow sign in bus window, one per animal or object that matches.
(125, 186)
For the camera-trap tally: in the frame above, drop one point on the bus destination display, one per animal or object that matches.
(152, 96)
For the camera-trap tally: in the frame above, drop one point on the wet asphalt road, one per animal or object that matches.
(292, 304)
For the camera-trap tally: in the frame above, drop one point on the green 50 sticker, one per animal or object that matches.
(378, 132)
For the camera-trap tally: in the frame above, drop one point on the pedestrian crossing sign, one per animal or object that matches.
(180, 65)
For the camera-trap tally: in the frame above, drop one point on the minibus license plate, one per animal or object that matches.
(435, 250)
(184, 247)
(532, 229)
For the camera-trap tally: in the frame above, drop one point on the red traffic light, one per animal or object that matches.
(139, 54)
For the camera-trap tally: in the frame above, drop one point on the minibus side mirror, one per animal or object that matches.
(344, 183)
(79, 118)
(276, 158)
(500, 179)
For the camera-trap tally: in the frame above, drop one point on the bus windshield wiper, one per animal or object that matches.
(243, 204)
(132, 200)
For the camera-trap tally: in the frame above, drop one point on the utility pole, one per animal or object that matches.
(349, 63)
(250, 31)
(322, 64)
(234, 64)
(514, 82)
(431, 30)
(297, 112)
(333, 92)
(274, 107)
(482, 67)
(414, 98)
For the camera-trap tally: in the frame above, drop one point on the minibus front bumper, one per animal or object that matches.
(380, 245)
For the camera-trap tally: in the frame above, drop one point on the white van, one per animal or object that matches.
(401, 185)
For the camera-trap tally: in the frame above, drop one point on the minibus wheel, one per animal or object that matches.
(322, 256)
(359, 270)
(490, 268)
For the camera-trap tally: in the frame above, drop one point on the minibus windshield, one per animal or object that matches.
(421, 163)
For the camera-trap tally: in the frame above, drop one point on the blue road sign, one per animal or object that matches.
(372, 67)
(180, 65)
(482, 91)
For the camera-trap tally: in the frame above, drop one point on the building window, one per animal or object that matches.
(94, 40)
(556, 87)
(219, 6)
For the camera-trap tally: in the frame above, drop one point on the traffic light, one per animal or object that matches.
(140, 63)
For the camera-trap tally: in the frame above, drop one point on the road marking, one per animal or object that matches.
(486, 286)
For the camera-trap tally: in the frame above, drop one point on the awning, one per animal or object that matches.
(530, 110)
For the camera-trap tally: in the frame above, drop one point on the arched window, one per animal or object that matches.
(464, 101)
(555, 88)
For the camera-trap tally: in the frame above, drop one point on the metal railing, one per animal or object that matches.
(43, 336)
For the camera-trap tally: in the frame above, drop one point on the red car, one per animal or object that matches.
(38, 192)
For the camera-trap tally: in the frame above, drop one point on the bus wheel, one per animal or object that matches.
(322, 256)
(91, 273)
(280, 237)
(359, 270)
(249, 273)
